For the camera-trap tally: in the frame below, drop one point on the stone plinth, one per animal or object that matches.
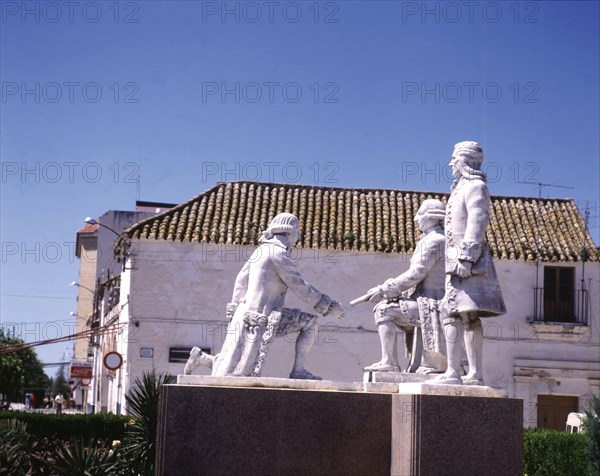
(252, 431)
(240, 426)
(457, 436)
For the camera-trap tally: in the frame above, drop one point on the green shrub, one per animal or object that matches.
(103, 426)
(76, 444)
(13, 447)
(554, 453)
(591, 426)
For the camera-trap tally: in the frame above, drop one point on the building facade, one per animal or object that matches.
(98, 285)
(180, 267)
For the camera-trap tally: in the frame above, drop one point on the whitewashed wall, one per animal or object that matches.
(177, 293)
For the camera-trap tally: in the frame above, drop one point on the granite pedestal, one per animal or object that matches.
(268, 427)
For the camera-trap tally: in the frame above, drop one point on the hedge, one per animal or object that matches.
(545, 452)
(104, 426)
(554, 453)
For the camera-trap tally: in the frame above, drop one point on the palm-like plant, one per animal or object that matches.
(138, 450)
(76, 458)
(14, 442)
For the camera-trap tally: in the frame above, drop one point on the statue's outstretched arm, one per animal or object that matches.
(241, 284)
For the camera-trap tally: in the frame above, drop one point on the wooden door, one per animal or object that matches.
(553, 410)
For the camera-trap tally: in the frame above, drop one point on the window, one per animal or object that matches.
(181, 354)
(559, 292)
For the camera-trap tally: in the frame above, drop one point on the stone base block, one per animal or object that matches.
(273, 431)
(456, 435)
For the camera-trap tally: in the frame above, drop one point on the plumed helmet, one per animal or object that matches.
(433, 209)
(283, 223)
(471, 151)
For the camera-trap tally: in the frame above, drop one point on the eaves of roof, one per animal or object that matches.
(363, 220)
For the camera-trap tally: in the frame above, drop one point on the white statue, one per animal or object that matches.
(257, 309)
(472, 288)
(424, 285)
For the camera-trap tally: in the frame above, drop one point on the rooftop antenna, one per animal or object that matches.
(540, 185)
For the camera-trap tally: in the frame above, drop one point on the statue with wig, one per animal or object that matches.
(257, 310)
(411, 301)
(472, 290)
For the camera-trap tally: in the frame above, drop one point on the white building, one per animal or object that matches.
(98, 282)
(180, 267)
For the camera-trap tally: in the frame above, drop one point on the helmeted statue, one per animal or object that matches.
(472, 287)
(257, 309)
(411, 300)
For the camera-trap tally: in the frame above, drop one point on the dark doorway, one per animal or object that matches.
(553, 410)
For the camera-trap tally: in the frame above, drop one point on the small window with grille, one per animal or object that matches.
(181, 354)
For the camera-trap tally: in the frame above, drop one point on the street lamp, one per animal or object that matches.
(75, 283)
(92, 221)
(120, 236)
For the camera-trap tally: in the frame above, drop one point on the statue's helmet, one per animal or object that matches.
(471, 152)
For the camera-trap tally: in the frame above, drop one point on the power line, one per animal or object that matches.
(108, 329)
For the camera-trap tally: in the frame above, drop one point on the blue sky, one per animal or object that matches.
(180, 95)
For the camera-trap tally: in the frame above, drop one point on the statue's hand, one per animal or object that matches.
(376, 294)
(463, 269)
(337, 310)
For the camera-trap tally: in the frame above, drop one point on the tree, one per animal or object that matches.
(12, 371)
(20, 370)
(36, 380)
(591, 425)
(59, 383)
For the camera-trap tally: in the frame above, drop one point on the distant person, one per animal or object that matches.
(27, 401)
(59, 400)
(32, 400)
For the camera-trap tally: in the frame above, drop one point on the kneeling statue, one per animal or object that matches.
(257, 309)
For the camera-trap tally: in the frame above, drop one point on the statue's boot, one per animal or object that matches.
(466, 380)
(304, 375)
(379, 367)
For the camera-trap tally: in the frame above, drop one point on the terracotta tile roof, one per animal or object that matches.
(368, 220)
(88, 228)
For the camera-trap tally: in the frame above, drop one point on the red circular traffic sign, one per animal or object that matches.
(113, 360)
